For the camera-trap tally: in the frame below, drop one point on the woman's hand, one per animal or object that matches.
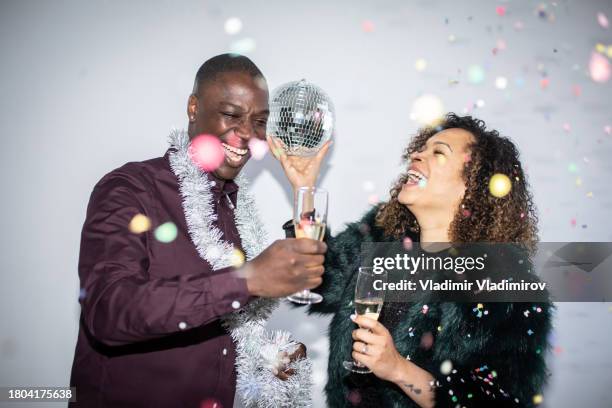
(375, 349)
(301, 171)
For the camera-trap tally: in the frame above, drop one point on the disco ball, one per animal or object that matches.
(302, 117)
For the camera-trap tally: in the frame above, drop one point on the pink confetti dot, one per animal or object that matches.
(576, 90)
(258, 148)
(567, 127)
(602, 20)
(608, 129)
(500, 10)
(599, 68)
(407, 242)
(206, 152)
(210, 403)
(544, 82)
(367, 26)
(427, 341)
(573, 222)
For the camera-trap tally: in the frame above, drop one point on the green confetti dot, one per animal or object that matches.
(166, 232)
(572, 168)
(469, 395)
(454, 398)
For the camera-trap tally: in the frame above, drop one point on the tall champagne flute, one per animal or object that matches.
(368, 303)
(309, 219)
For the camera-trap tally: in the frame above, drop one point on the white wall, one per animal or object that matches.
(88, 86)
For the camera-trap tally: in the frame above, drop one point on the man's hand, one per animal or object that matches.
(285, 267)
(284, 372)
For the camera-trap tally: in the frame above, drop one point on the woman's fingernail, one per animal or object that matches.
(274, 371)
(353, 317)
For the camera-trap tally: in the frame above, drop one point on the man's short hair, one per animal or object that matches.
(210, 70)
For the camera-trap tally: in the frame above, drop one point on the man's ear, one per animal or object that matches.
(192, 108)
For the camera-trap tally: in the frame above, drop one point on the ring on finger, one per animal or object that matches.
(365, 349)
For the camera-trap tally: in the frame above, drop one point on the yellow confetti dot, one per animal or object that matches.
(590, 194)
(480, 306)
(500, 185)
(578, 181)
(441, 159)
(420, 65)
(237, 258)
(600, 48)
(609, 52)
(537, 399)
(139, 224)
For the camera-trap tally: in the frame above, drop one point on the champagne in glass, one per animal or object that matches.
(309, 219)
(368, 303)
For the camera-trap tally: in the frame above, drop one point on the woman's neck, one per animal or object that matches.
(434, 227)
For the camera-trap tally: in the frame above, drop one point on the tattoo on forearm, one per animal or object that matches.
(412, 388)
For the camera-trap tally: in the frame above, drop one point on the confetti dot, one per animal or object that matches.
(602, 20)
(530, 332)
(224, 352)
(354, 397)
(82, 293)
(500, 10)
(258, 148)
(452, 38)
(537, 399)
(608, 129)
(422, 183)
(476, 74)
(466, 213)
(210, 403)
(233, 25)
(166, 232)
(446, 367)
(501, 82)
(427, 110)
(567, 127)
(367, 26)
(572, 168)
(373, 199)
(480, 103)
(139, 224)
(236, 304)
(206, 152)
(237, 258)
(368, 186)
(407, 243)
(544, 83)
(427, 341)
(182, 325)
(420, 65)
(599, 68)
(500, 185)
(424, 309)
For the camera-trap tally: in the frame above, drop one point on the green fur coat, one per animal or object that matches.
(498, 358)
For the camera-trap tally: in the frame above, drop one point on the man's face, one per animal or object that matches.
(235, 109)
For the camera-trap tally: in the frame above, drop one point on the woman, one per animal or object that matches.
(440, 353)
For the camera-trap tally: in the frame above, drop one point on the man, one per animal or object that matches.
(151, 332)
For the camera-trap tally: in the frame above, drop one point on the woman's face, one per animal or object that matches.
(435, 174)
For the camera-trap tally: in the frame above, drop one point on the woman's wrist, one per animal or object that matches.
(403, 371)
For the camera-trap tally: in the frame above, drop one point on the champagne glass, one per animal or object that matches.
(368, 303)
(309, 218)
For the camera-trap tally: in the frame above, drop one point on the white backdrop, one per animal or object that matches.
(88, 86)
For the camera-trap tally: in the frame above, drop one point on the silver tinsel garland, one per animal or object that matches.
(258, 350)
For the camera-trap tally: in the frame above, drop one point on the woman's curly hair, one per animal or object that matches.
(481, 217)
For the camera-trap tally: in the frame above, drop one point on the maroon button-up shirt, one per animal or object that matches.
(150, 333)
